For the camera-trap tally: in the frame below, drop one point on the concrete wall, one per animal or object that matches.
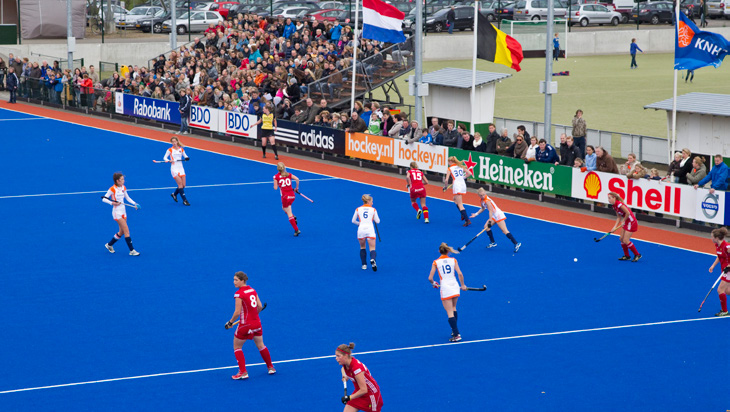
(460, 46)
(93, 53)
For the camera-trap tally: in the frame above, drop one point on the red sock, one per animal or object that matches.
(723, 302)
(240, 359)
(633, 248)
(415, 206)
(293, 223)
(626, 249)
(266, 357)
(425, 212)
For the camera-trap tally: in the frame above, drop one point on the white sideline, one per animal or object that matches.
(161, 188)
(567, 332)
(26, 118)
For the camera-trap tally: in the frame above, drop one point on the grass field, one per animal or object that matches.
(611, 95)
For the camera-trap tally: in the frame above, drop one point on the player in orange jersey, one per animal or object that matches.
(115, 196)
(449, 288)
(496, 216)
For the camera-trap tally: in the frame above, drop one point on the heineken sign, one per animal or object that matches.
(542, 177)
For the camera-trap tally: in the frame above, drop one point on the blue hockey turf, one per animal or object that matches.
(83, 329)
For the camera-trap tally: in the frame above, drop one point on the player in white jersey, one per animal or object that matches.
(175, 156)
(447, 267)
(496, 216)
(458, 172)
(115, 196)
(365, 217)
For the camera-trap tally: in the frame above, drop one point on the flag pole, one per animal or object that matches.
(672, 144)
(355, 44)
(474, 67)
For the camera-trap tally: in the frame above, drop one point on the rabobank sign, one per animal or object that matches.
(153, 109)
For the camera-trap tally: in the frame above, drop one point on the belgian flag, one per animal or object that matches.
(495, 46)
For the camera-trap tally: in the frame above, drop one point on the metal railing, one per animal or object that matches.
(370, 73)
(617, 144)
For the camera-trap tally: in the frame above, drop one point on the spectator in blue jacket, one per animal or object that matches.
(718, 175)
(335, 32)
(289, 29)
(426, 137)
(546, 153)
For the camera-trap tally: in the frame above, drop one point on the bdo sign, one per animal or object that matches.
(204, 117)
(238, 124)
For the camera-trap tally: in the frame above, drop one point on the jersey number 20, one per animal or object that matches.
(285, 182)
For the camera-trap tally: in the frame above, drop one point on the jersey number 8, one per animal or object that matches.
(254, 301)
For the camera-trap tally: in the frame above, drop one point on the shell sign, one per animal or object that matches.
(592, 185)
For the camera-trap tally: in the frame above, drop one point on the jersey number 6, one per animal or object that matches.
(365, 214)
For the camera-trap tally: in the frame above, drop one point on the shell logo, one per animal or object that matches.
(684, 34)
(592, 185)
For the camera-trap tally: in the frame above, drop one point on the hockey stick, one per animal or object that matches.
(708, 293)
(598, 239)
(125, 204)
(302, 195)
(472, 239)
(481, 289)
(171, 161)
(377, 232)
(445, 188)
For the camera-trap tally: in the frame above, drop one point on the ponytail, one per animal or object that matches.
(346, 349)
(444, 249)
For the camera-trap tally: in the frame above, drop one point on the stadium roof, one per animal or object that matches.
(700, 103)
(461, 78)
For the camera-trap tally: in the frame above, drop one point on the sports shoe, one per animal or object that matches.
(419, 213)
(624, 258)
(721, 313)
(174, 197)
(517, 247)
(185, 132)
(491, 245)
(109, 248)
(272, 370)
(186, 203)
(240, 375)
(133, 253)
(636, 258)
(178, 132)
(276, 157)
(425, 220)
(455, 338)
(297, 233)
(364, 267)
(467, 223)
(373, 265)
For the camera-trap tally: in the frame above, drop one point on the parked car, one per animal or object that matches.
(324, 5)
(717, 9)
(223, 7)
(138, 13)
(464, 19)
(154, 24)
(199, 21)
(654, 12)
(348, 17)
(499, 9)
(287, 12)
(585, 14)
(324, 15)
(538, 9)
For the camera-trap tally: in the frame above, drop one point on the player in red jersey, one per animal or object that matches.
(247, 311)
(722, 249)
(283, 182)
(367, 396)
(627, 221)
(416, 180)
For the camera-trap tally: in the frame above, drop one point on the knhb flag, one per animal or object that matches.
(694, 48)
(382, 22)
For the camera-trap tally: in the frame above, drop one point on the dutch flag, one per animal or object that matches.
(382, 22)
